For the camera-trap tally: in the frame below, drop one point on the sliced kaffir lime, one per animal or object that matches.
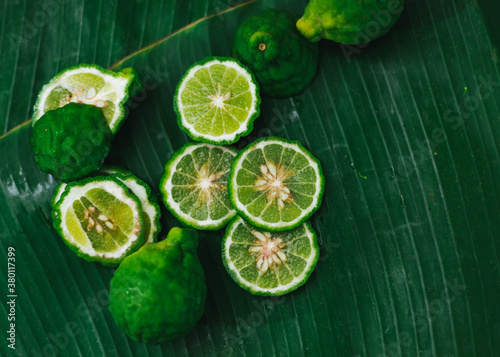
(150, 208)
(93, 85)
(100, 219)
(217, 101)
(194, 185)
(276, 184)
(266, 263)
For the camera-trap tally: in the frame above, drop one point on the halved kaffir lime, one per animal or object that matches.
(194, 185)
(217, 100)
(93, 85)
(276, 184)
(150, 208)
(266, 263)
(100, 219)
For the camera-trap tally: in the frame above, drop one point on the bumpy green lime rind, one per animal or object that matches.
(283, 61)
(57, 220)
(56, 196)
(114, 170)
(136, 85)
(250, 121)
(349, 22)
(158, 293)
(71, 142)
(105, 170)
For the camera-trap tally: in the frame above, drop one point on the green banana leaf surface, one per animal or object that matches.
(407, 129)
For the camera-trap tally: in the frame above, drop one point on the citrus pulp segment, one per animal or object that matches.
(194, 185)
(269, 264)
(100, 219)
(217, 101)
(151, 210)
(88, 84)
(276, 184)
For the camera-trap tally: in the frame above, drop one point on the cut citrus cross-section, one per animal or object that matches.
(100, 219)
(276, 184)
(217, 101)
(150, 208)
(89, 84)
(266, 263)
(194, 185)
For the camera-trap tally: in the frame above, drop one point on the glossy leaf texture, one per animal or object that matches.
(407, 130)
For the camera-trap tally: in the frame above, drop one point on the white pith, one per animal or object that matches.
(118, 83)
(147, 207)
(168, 188)
(60, 190)
(305, 212)
(112, 188)
(219, 101)
(310, 261)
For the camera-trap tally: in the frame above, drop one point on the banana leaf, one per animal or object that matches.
(407, 129)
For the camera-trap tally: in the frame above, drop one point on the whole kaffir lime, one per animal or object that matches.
(349, 22)
(72, 141)
(158, 293)
(283, 61)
